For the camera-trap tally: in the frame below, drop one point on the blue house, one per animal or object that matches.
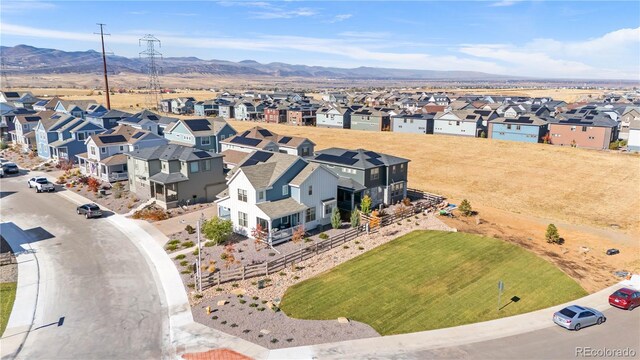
(204, 134)
(79, 108)
(205, 108)
(69, 138)
(527, 128)
(46, 132)
(107, 119)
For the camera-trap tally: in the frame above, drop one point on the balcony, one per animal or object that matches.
(118, 176)
(280, 236)
(167, 198)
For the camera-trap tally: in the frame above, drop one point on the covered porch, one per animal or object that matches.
(280, 218)
(111, 169)
(164, 188)
(350, 194)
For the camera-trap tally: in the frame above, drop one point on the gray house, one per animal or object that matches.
(370, 119)
(175, 174)
(418, 123)
(362, 172)
(334, 116)
(204, 134)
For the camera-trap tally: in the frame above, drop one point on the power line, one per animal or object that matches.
(154, 94)
(104, 63)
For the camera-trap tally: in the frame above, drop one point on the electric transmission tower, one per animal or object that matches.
(154, 93)
(4, 81)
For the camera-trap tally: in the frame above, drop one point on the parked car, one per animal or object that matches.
(10, 168)
(89, 210)
(41, 184)
(613, 251)
(625, 298)
(576, 317)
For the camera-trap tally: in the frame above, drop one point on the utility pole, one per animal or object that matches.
(153, 87)
(104, 63)
(5, 80)
(199, 272)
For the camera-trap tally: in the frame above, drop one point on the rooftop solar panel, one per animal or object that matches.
(375, 161)
(349, 154)
(336, 159)
(245, 141)
(202, 154)
(284, 140)
(261, 156)
(152, 117)
(109, 139)
(137, 135)
(372, 154)
(108, 132)
(250, 162)
(245, 133)
(32, 118)
(12, 94)
(198, 124)
(470, 117)
(265, 132)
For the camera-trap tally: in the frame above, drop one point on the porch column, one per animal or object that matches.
(353, 201)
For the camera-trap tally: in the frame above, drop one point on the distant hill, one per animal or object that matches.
(25, 59)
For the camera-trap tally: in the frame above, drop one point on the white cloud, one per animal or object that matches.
(366, 34)
(25, 5)
(503, 3)
(340, 17)
(279, 13)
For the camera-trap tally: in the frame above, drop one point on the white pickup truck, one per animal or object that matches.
(41, 184)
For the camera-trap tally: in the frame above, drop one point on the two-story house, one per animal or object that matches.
(71, 138)
(7, 118)
(258, 138)
(333, 115)
(204, 134)
(246, 110)
(107, 119)
(23, 134)
(174, 174)
(205, 108)
(279, 192)
(79, 108)
(595, 132)
(46, 104)
(633, 142)
(226, 108)
(302, 115)
(276, 113)
(418, 123)
(382, 177)
(370, 119)
(459, 122)
(628, 114)
(105, 157)
(527, 128)
(46, 132)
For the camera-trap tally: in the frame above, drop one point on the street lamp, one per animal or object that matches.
(199, 260)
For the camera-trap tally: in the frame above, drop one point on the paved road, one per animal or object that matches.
(91, 275)
(620, 331)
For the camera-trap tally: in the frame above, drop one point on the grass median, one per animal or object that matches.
(429, 280)
(7, 296)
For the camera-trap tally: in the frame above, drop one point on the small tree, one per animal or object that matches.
(259, 235)
(355, 218)
(465, 208)
(298, 234)
(552, 235)
(228, 257)
(336, 221)
(93, 184)
(217, 229)
(117, 188)
(365, 205)
(483, 134)
(65, 165)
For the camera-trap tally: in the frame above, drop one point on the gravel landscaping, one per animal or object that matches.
(252, 320)
(121, 205)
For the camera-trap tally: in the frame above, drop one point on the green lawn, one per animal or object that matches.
(431, 279)
(7, 295)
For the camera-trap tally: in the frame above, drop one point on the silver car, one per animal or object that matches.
(576, 317)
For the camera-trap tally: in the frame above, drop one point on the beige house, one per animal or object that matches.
(175, 175)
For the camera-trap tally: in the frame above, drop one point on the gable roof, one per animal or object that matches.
(526, 120)
(121, 134)
(33, 118)
(172, 152)
(306, 172)
(359, 158)
(263, 168)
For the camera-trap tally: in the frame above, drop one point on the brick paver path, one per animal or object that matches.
(217, 354)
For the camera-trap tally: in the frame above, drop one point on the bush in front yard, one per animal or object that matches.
(323, 236)
(181, 256)
(174, 242)
(217, 230)
(171, 247)
(190, 229)
(210, 243)
(187, 244)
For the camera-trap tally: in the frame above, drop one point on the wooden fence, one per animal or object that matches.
(269, 267)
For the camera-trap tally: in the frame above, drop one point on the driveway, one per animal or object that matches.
(97, 297)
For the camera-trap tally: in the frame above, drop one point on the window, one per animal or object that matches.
(508, 126)
(242, 195)
(573, 128)
(393, 169)
(205, 141)
(375, 174)
(103, 150)
(93, 150)
(194, 167)
(305, 151)
(81, 136)
(242, 219)
(260, 195)
(221, 137)
(401, 166)
(206, 165)
(164, 165)
(310, 190)
(584, 128)
(121, 148)
(328, 209)
(517, 127)
(310, 214)
(285, 189)
(457, 123)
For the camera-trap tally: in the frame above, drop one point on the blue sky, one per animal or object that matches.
(555, 39)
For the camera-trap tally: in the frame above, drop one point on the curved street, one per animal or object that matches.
(97, 297)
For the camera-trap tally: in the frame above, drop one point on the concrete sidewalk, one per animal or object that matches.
(178, 223)
(24, 306)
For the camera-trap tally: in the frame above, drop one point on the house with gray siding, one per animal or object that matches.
(333, 115)
(278, 192)
(205, 134)
(174, 174)
(418, 123)
(205, 108)
(362, 172)
(258, 138)
(459, 122)
(370, 119)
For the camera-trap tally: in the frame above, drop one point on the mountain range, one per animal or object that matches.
(25, 59)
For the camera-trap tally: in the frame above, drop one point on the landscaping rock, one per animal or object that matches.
(238, 291)
(343, 320)
(265, 331)
(222, 302)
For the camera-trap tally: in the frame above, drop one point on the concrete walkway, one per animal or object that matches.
(178, 223)
(24, 306)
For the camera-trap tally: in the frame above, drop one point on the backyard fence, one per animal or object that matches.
(318, 247)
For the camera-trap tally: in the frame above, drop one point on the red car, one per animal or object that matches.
(625, 299)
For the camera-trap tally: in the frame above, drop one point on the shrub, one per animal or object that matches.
(273, 341)
(323, 236)
(3, 145)
(198, 296)
(191, 285)
(356, 242)
(289, 339)
(218, 289)
(282, 273)
(190, 230)
(234, 325)
(355, 218)
(214, 317)
(174, 242)
(184, 263)
(264, 301)
(117, 188)
(336, 221)
(181, 256)
(210, 243)
(406, 201)
(223, 322)
(253, 305)
(345, 246)
(217, 229)
(235, 285)
(196, 251)
(360, 248)
(186, 271)
(171, 247)
(552, 235)
(272, 254)
(151, 214)
(223, 256)
(187, 244)
(365, 205)
(261, 309)
(240, 296)
(242, 301)
(307, 239)
(296, 277)
(465, 208)
(255, 298)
